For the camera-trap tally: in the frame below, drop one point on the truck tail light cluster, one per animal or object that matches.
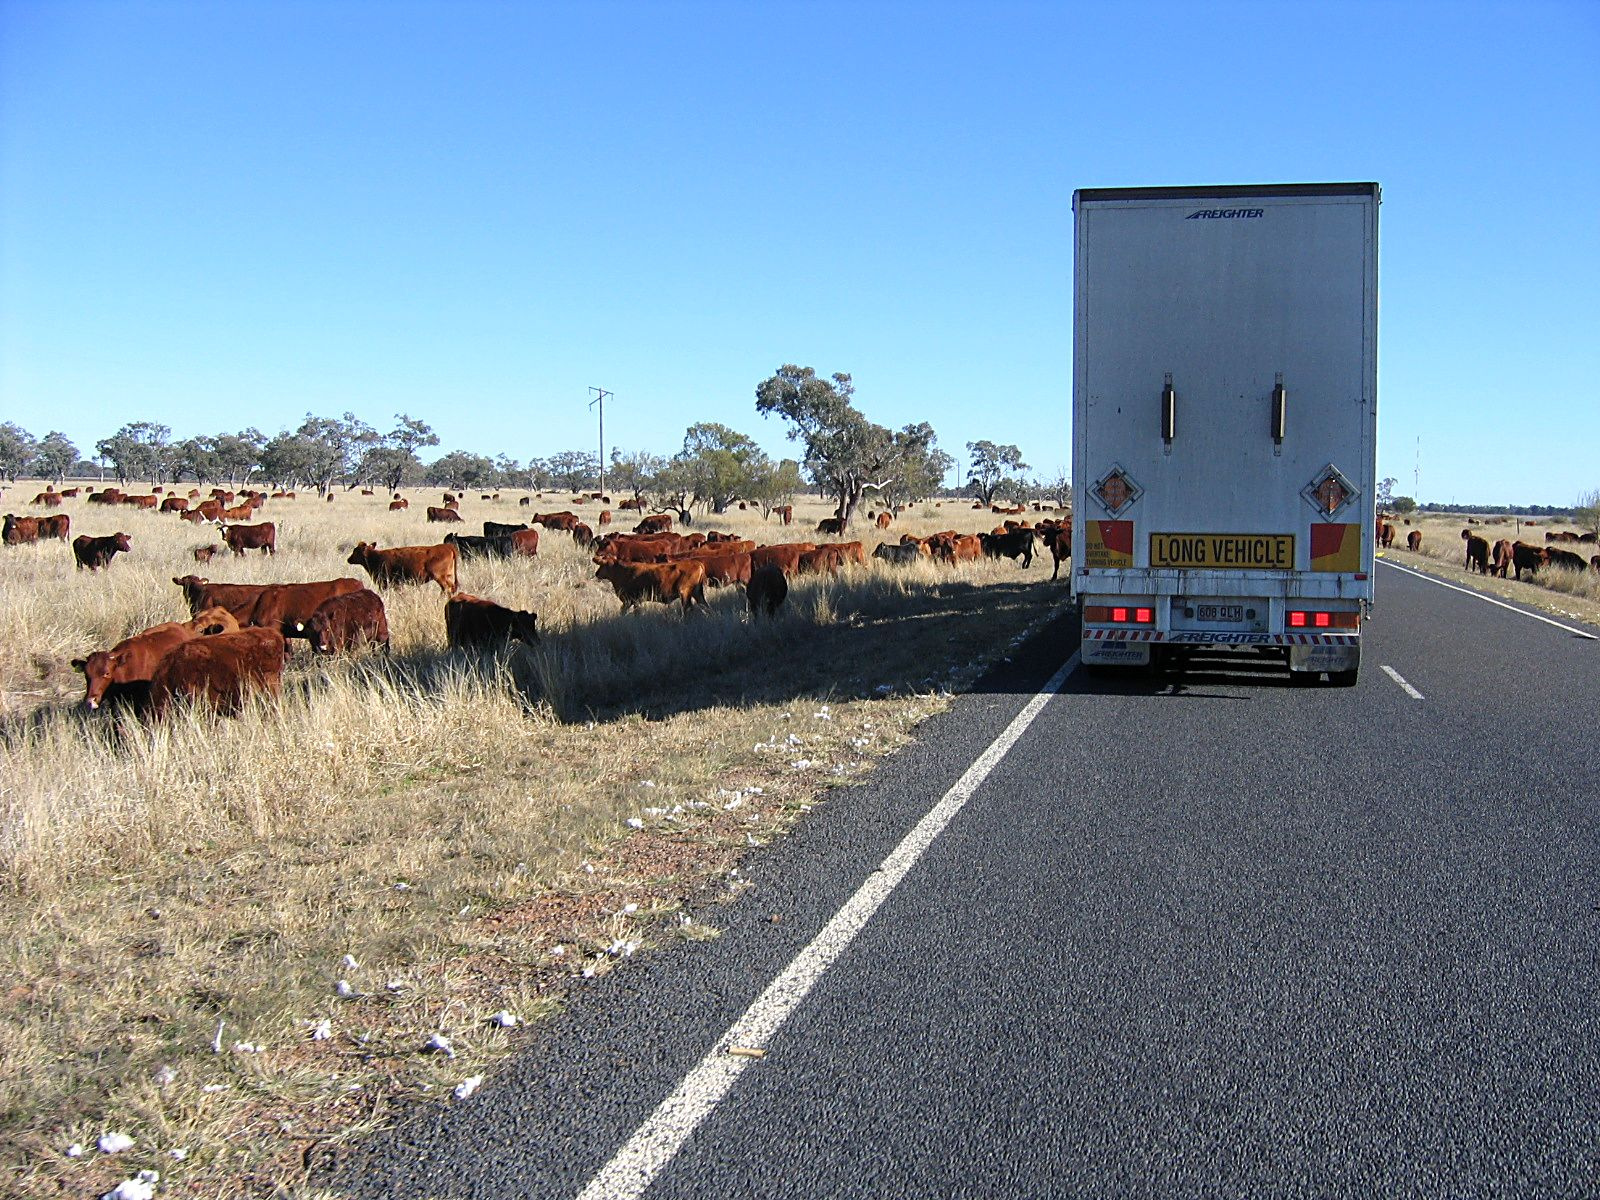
(1105, 614)
(1324, 620)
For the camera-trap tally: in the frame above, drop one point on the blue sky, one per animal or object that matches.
(221, 215)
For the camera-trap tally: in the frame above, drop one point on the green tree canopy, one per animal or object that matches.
(993, 469)
(846, 454)
(54, 456)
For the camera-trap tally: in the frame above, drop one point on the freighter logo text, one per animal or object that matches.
(1211, 214)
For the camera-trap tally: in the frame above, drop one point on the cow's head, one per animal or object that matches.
(97, 671)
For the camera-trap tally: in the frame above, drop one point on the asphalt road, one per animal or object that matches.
(1211, 937)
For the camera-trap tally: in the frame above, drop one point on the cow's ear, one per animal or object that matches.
(79, 664)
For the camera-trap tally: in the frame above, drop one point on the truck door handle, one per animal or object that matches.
(1280, 410)
(1169, 413)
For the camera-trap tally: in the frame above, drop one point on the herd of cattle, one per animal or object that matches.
(1504, 556)
(239, 636)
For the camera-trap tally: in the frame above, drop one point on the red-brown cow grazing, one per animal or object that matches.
(582, 536)
(281, 606)
(605, 516)
(409, 564)
(766, 591)
(19, 531)
(1414, 540)
(785, 513)
(242, 512)
(724, 568)
(262, 537)
(219, 670)
(442, 514)
(1594, 563)
(204, 554)
(472, 621)
(47, 499)
(342, 622)
(211, 510)
(1385, 534)
(58, 526)
(97, 552)
(659, 523)
(175, 504)
(123, 672)
(664, 583)
(1058, 538)
(1500, 560)
(398, 505)
(833, 525)
(883, 519)
(1564, 558)
(192, 515)
(1477, 552)
(824, 560)
(141, 501)
(785, 556)
(1526, 557)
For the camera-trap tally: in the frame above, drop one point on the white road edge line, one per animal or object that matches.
(653, 1145)
(1404, 686)
(1583, 633)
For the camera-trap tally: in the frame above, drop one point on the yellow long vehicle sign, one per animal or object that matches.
(1219, 551)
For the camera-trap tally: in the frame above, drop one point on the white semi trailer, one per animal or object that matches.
(1224, 438)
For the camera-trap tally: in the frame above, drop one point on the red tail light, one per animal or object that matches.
(1323, 620)
(1102, 614)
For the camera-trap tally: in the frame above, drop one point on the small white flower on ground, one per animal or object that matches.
(635, 823)
(588, 972)
(630, 908)
(467, 1086)
(439, 1044)
(505, 1018)
(75, 1150)
(114, 1143)
(247, 1048)
(647, 783)
(795, 739)
(558, 951)
(732, 804)
(179, 1153)
(395, 985)
(348, 962)
(344, 989)
(588, 868)
(754, 791)
(212, 1088)
(654, 812)
(801, 764)
(321, 1030)
(402, 886)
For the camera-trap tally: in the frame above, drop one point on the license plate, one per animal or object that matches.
(1219, 612)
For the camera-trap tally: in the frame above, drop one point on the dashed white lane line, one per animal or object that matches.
(653, 1144)
(1404, 686)
(1583, 633)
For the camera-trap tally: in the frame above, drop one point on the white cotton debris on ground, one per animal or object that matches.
(505, 1018)
(321, 1030)
(141, 1187)
(75, 1150)
(178, 1153)
(343, 989)
(114, 1143)
(468, 1085)
(164, 1074)
(635, 823)
(348, 962)
(437, 1043)
(247, 1048)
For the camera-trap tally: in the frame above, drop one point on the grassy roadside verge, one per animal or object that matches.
(1555, 590)
(477, 835)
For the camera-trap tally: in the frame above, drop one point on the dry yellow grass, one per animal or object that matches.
(1555, 589)
(449, 821)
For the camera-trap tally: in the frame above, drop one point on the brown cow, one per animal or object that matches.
(884, 518)
(204, 554)
(605, 516)
(443, 514)
(1385, 534)
(1058, 539)
(262, 537)
(833, 525)
(1500, 562)
(785, 512)
(175, 504)
(341, 622)
(97, 552)
(472, 621)
(281, 606)
(1564, 558)
(724, 568)
(141, 501)
(664, 583)
(19, 531)
(1477, 552)
(1414, 540)
(47, 499)
(1527, 557)
(558, 520)
(659, 523)
(398, 505)
(766, 591)
(409, 564)
(582, 536)
(123, 672)
(108, 496)
(211, 510)
(824, 560)
(240, 512)
(219, 670)
(785, 556)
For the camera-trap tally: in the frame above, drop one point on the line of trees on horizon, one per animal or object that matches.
(846, 457)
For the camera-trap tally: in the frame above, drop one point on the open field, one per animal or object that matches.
(476, 833)
(1556, 590)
